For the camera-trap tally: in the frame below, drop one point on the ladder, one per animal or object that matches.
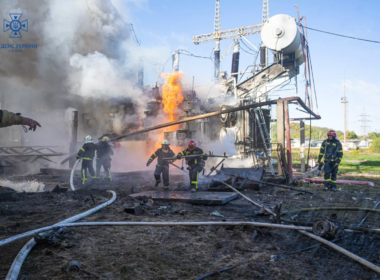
(265, 136)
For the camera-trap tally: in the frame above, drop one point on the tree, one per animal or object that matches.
(375, 145)
(372, 135)
(352, 135)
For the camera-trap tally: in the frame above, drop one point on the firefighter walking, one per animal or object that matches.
(103, 158)
(162, 166)
(332, 152)
(87, 153)
(195, 164)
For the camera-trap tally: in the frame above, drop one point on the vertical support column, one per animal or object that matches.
(235, 60)
(302, 146)
(217, 59)
(175, 61)
(288, 143)
(280, 130)
(74, 136)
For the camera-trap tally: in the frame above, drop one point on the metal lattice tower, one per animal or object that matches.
(265, 10)
(344, 101)
(218, 22)
(364, 122)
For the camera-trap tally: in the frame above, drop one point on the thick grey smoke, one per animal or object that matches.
(85, 54)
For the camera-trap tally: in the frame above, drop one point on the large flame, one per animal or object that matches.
(171, 98)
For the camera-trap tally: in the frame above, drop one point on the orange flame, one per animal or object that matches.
(171, 98)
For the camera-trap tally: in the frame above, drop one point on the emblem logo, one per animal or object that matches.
(15, 25)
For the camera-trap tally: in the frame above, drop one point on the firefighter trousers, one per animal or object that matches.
(193, 174)
(106, 163)
(87, 164)
(164, 170)
(331, 172)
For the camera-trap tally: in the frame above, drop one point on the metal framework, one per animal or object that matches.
(227, 34)
(22, 155)
(265, 11)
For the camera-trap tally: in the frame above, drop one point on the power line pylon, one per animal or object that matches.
(364, 122)
(344, 101)
(217, 30)
(265, 10)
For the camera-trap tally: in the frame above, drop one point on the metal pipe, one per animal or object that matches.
(14, 271)
(288, 142)
(316, 180)
(247, 198)
(343, 251)
(151, 224)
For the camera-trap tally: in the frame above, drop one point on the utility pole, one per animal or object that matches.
(364, 122)
(344, 101)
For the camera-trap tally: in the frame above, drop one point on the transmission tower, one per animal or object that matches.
(217, 30)
(364, 122)
(218, 23)
(265, 10)
(344, 101)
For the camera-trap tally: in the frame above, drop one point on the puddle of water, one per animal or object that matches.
(26, 186)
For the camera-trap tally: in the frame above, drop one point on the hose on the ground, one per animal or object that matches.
(156, 224)
(14, 271)
(215, 272)
(72, 174)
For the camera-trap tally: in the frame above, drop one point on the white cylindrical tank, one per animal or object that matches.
(281, 34)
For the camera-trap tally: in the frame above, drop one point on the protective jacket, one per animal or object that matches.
(87, 152)
(160, 155)
(193, 161)
(331, 150)
(103, 150)
(8, 118)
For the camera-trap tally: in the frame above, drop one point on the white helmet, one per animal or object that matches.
(105, 138)
(165, 142)
(88, 138)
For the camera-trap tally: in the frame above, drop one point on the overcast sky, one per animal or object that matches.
(172, 24)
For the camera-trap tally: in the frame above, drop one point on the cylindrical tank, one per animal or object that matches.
(280, 33)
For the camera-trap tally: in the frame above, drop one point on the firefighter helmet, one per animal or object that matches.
(105, 138)
(192, 144)
(165, 142)
(331, 133)
(88, 138)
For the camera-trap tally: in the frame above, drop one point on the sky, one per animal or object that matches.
(336, 61)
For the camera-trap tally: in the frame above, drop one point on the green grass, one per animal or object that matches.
(371, 164)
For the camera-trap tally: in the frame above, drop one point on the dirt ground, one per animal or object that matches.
(185, 252)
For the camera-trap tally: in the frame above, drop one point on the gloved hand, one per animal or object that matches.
(148, 163)
(31, 123)
(179, 157)
(205, 157)
(320, 166)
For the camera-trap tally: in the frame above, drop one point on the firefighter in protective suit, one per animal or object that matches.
(162, 166)
(195, 164)
(87, 153)
(103, 157)
(332, 152)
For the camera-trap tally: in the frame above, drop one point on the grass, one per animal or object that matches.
(370, 162)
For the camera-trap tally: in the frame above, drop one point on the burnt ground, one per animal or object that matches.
(185, 252)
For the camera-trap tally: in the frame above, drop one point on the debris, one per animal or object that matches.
(162, 207)
(93, 200)
(73, 266)
(296, 193)
(354, 198)
(59, 189)
(135, 209)
(150, 202)
(50, 237)
(217, 214)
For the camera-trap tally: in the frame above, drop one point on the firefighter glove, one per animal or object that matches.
(320, 166)
(148, 163)
(179, 157)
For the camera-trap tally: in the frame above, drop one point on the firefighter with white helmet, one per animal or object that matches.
(87, 153)
(332, 152)
(162, 166)
(195, 164)
(103, 157)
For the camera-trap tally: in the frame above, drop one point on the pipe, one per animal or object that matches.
(72, 174)
(153, 224)
(214, 272)
(330, 208)
(316, 180)
(343, 251)
(14, 271)
(288, 141)
(247, 198)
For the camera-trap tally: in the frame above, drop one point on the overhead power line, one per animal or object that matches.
(340, 35)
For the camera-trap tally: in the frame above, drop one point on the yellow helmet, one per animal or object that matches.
(105, 138)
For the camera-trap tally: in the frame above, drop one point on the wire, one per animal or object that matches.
(312, 74)
(340, 35)
(245, 44)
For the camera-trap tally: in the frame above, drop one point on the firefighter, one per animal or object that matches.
(332, 152)
(8, 118)
(162, 166)
(195, 164)
(103, 157)
(87, 153)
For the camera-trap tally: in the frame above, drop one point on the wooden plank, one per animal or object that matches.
(204, 198)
